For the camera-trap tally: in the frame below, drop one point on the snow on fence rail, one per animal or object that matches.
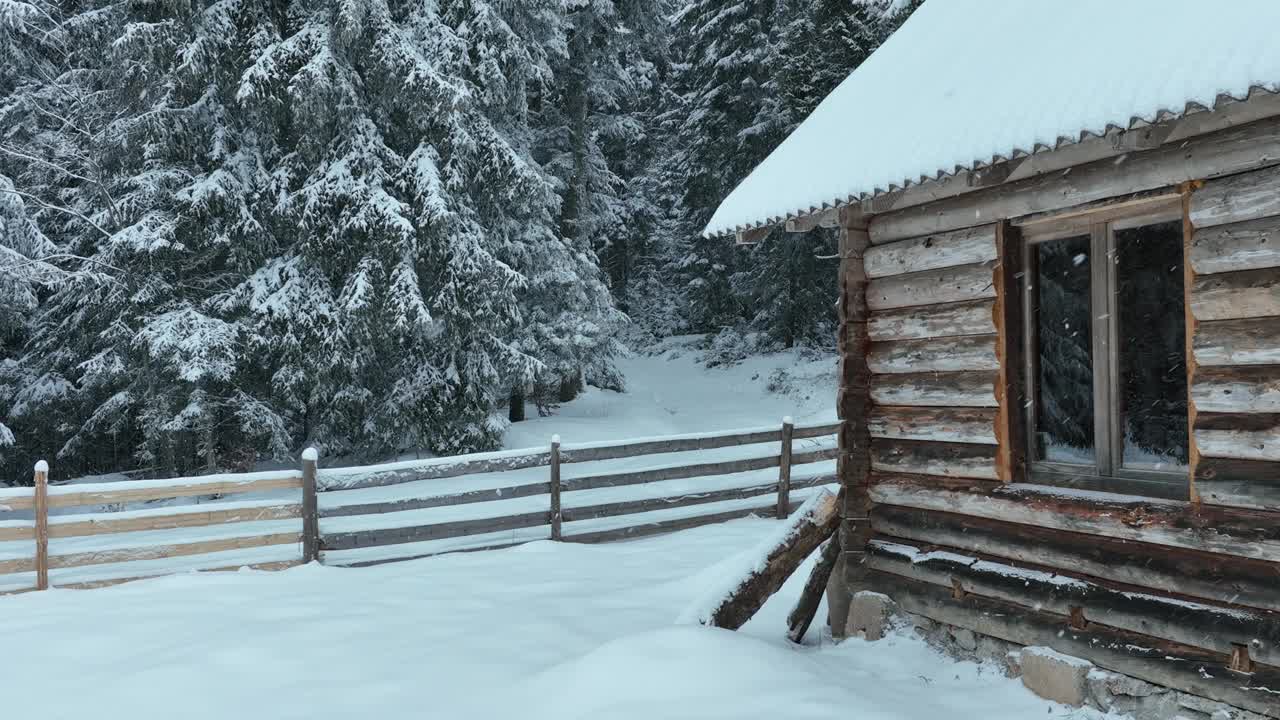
(380, 513)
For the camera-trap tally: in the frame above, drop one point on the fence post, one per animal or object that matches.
(784, 469)
(310, 511)
(555, 487)
(41, 506)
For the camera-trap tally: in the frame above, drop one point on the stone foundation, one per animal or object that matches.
(1047, 673)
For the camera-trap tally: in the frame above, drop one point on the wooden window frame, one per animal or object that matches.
(1107, 473)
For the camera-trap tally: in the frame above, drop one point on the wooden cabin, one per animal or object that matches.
(1059, 298)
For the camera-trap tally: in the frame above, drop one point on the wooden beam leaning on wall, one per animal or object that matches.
(853, 408)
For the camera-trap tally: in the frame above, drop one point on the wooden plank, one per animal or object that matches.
(128, 494)
(67, 525)
(812, 431)
(462, 498)
(1010, 387)
(666, 526)
(1238, 198)
(629, 507)
(337, 479)
(1252, 484)
(953, 284)
(959, 389)
(1199, 625)
(40, 501)
(310, 511)
(437, 531)
(1188, 573)
(19, 565)
(932, 321)
(1252, 389)
(1250, 341)
(1238, 149)
(158, 552)
(555, 487)
(932, 252)
(1190, 329)
(1196, 672)
(784, 469)
(957, 354)
(668, 445)
(1243, 294)
(24, 531)
(923, 457)
(1226, 532)
(854, 397)
(963, 425)
(109, 582)
(676, 472)
(1238, 246)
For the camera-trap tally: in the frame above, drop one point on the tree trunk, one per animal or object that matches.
(515, 409)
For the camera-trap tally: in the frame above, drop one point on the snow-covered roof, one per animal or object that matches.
(967, 83)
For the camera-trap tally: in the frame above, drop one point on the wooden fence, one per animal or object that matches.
(396, 511)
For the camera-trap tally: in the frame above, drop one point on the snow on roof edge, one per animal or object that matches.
(1162, 115)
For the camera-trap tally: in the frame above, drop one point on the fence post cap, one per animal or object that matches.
(787, 420)
(42, 466)
(555, 439)
(310, 454)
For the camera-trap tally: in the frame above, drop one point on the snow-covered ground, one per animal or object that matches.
(670, 392)
(544, 630)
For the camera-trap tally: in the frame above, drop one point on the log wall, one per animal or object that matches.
(958, 534)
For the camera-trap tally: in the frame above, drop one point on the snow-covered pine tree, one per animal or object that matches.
(138, 164)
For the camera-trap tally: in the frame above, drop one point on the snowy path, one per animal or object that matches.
(540, 631)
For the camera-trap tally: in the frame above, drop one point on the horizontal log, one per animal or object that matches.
(678, 472)
(932, 321)
(18, 531)
(924, 457)
(1240, 444)
(1207, 627)
(437, 531)
(954, 284)
(1239, 246)
(628, 507)
(575, 454)
(462, 498)
(811, 431)
(1191, 671)
(1230, 296)
(931, 252)
(420, 555)
(1216, 530)
(1238, 198)
(632, 532)
(1253, 484)
(961, 389)
(1251, 389)
(133, 491)
(971, 352)
(1189, 573)
(18, 565)
(335, 479)
(1251, 341)
(962, 425)
(160, 552)
(1238, 149)
(68, 527)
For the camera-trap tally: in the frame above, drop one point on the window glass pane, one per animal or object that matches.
(1064, 382)
(1152, 392)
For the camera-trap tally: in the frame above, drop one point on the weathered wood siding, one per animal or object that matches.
(957, 533)
(1234, 255)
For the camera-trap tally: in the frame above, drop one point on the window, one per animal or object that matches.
(1105, 352)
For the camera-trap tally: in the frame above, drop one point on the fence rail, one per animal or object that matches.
(588, 492)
